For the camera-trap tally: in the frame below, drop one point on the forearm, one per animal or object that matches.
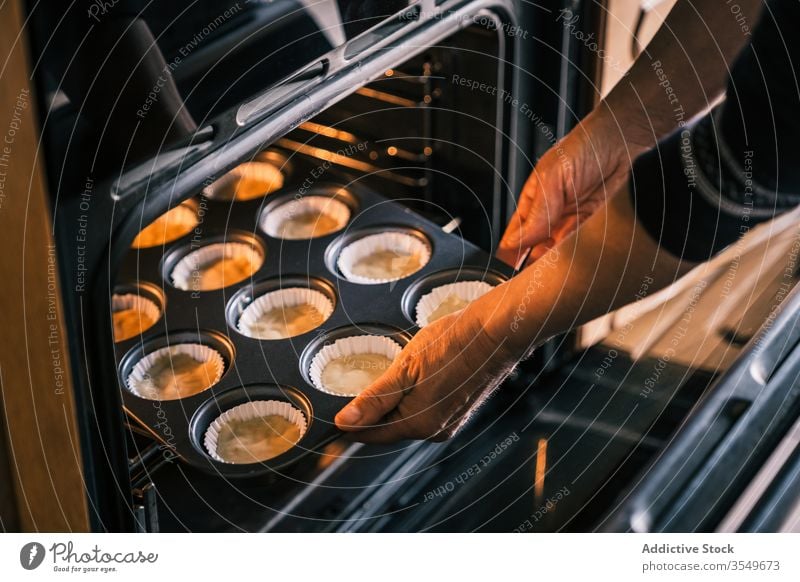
(682, 71)
(608, 262)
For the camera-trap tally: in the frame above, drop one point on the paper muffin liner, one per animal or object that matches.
(261, 175)
(280, 299)
(144, 306)
(139, 375)
(465, 290)
(273, 221)
(248, 411)
(183, 272)
(180, 221)
(401, 243)
(350, 346)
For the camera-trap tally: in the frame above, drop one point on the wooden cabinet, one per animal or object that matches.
(41, 467)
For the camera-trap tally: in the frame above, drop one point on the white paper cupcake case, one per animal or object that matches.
(389, 241)
(248, 411)
(183, 272)
(255, 171)
(136, 380)
(273, 221)
(465, 290)
(141, 304)
(281, 299)
(350, 346)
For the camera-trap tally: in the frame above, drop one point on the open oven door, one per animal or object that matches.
(734, 465)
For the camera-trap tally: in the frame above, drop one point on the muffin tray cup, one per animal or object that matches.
(278, 369)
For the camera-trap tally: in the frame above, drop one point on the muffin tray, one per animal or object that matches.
(278, 369)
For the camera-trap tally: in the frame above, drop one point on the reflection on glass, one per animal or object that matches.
(331, 452)
(222, 54)
(541, 470)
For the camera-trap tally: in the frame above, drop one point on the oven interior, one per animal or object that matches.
(427, 141)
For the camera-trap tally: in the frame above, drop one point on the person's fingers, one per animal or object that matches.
(569, 224)
(529, 188)
(573, 221)
(567, 227)
(509, 249)
(507, 254)
(375, 402)
(521, 236)
(539, 251)
(546, 210)
(534, 221)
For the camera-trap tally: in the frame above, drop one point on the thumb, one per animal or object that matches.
(540, 209)
(535, 231)
(375, 402)
(510, 248)
(544, 214)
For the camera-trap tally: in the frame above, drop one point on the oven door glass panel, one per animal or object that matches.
(222, 54)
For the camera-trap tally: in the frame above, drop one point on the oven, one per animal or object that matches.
(419, 116)
(410, 108)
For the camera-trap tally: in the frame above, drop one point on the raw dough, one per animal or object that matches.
(309, 225)
(129, 323)
(256, 439)
(252, 180)
(280, 323)
(177, 376)
(349, 375)
(226, 271)
(387, 265)
(451, 304)
(166, 228)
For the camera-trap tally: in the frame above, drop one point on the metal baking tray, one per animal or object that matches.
(277, 369)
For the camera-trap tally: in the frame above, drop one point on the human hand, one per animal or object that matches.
(434, 385)
(570, 181)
